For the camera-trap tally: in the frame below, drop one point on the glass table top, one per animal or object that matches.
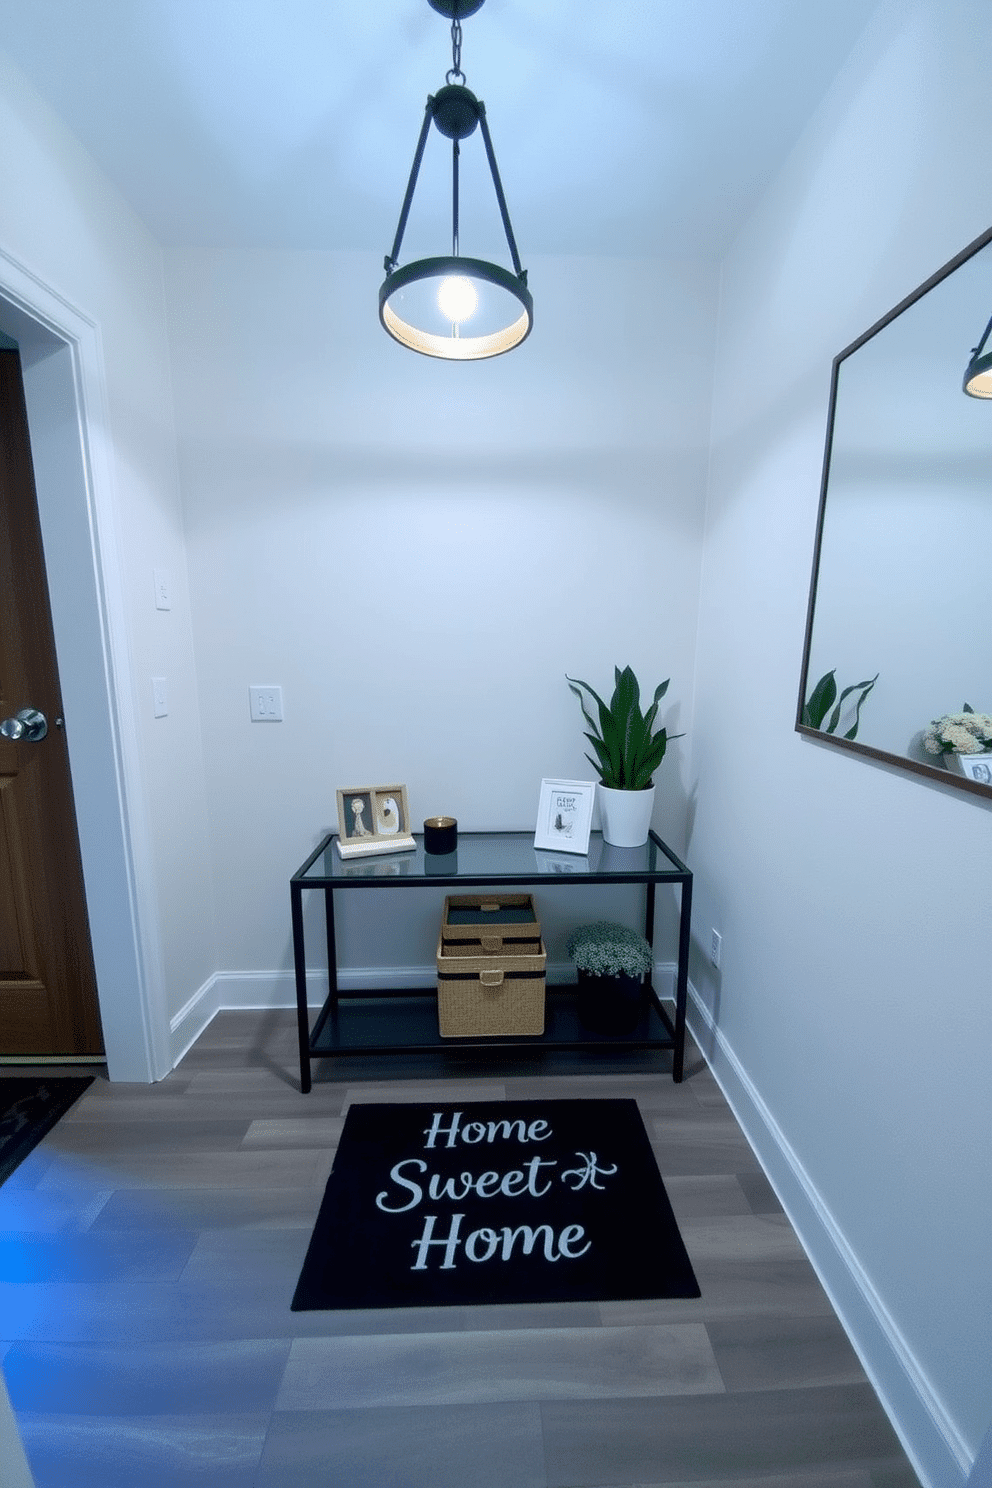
(494, 857)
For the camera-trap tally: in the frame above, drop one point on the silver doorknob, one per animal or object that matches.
(27, 724)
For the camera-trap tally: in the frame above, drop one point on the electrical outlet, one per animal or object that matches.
(716, 946)
(265, 704)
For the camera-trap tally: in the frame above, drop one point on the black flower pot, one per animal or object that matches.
(610, 1004)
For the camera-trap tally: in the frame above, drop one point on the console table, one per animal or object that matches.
(388, 1019)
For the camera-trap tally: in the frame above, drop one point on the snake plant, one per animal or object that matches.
(824, 696)
(627, 745)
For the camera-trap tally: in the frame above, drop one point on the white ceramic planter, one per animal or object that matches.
(952, 761)
(625, 815)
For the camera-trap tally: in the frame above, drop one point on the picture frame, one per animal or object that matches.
(976, 767)
(564, 815)
(373, 819)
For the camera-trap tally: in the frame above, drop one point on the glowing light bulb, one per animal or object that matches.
(457, 299)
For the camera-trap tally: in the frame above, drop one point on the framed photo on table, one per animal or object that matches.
(564, 815)
(373, 819)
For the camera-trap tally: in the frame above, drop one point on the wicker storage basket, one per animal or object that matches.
(484, 994)
(495, 923)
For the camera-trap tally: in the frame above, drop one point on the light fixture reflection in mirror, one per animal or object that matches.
(978, 374)
(901, 564)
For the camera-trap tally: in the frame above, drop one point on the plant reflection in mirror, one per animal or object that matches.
(824, 697)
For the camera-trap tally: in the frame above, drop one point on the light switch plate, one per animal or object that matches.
(265, 704)
(160, 698)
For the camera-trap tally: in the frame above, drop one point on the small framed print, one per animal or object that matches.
(976, 767)
(373, 819)
(564, 815)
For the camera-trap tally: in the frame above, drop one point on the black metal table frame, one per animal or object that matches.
(308, 1040)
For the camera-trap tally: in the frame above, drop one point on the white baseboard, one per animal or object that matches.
(277, 989)
(931, 1440)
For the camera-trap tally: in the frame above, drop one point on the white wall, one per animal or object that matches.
(418, 552)
(852, 1017)
(78, 271)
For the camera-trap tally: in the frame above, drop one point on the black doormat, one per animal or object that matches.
(495, 1201)
(29, 1108)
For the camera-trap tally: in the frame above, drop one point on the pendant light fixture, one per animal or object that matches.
(978, 375)
(461, 309)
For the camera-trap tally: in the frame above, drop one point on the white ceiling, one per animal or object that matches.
(630, 126)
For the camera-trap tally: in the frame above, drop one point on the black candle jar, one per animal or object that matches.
(440, 834)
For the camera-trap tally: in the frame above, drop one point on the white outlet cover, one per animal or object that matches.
(163, 589)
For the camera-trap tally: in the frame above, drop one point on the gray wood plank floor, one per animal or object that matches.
(150, 1246)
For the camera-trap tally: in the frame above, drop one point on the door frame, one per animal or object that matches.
(72, 450)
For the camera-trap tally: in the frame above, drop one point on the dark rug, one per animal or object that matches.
(29, 1108)
(494, 1201)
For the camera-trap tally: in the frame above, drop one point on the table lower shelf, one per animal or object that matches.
(398, 1021)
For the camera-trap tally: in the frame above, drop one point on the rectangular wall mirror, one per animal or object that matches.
(901, 588)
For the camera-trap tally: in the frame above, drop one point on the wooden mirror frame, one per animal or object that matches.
(935, 773)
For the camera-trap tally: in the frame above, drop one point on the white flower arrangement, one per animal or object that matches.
(966, 732)
(605, 949)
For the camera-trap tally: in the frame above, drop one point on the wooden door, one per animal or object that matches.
(48, 998)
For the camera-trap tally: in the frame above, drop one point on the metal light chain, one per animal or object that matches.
(456, 52)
